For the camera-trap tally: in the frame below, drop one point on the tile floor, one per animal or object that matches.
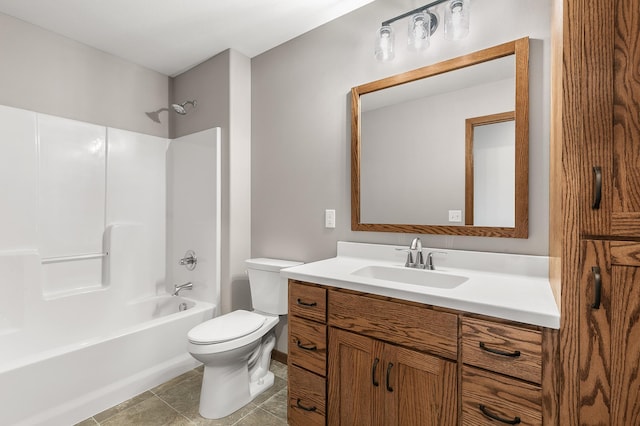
(176, 403)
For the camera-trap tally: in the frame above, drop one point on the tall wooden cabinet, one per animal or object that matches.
(595, 209)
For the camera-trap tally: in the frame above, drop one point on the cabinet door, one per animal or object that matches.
(419, 389)
(610, 333)
(355, 379)
(611, 118)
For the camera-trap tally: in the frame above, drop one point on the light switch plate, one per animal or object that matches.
(455, 215)
(329, 218)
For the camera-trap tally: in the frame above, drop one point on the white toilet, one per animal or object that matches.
(235, 348)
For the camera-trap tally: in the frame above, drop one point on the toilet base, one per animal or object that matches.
(228, 386)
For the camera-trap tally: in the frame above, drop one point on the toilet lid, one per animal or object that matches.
(226, 327)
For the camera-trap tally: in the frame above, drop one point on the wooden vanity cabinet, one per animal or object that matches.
(307, 360)
(501, 373)
(388, 362)
(360, 359)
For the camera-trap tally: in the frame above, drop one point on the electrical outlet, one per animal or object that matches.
(455, 215)
(329, 218)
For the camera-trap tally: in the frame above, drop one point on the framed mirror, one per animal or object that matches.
(444, 149)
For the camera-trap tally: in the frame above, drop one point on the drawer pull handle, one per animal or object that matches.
(513, 354)
(314, 408)
(389, 367)
(306, 348)
(307, 304)
(492, 416)
(597, 187)
(373, 372)
(597, 282)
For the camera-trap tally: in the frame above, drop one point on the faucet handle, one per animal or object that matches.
(409, 262)
(429, 264)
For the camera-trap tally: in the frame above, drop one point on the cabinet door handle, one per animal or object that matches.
(492, 416)
(307, 304)
(389, 367)
(597, 187)
(373, 372)
(314, 408)
(597, 284)
(306, 348)
(513, 354)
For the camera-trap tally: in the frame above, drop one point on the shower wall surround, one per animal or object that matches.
(71, 191)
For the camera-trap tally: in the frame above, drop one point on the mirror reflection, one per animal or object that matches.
(444, 149)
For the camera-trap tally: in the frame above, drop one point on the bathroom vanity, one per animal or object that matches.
(442, 351)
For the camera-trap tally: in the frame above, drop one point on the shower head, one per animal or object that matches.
(180, 108)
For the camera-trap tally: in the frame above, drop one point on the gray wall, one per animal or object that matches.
(44, 72)
(222, 87)
(301, 126)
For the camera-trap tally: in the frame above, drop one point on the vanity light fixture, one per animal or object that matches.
(423, 22)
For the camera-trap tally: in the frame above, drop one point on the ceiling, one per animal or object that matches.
(171, 36)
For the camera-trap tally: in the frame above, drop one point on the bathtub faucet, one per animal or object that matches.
(185, 286)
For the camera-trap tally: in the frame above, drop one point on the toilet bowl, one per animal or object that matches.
(235, 348)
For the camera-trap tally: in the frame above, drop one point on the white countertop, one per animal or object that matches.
(512, 287)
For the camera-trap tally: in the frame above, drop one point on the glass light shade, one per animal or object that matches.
(384, 50)
(456, 19)
(419, 31)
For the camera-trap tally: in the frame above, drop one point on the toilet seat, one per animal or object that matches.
(227, 327)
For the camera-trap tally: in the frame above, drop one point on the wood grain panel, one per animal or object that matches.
(504, 338)
(307, 398)
(350, 389)
(625, 253)
(403, 324)
(307, 301)
(501, 396)
(424, 389)
(595, 341)
(308, 345)
(625, 346)
(626, 110)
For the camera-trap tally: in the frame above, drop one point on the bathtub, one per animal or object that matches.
(75, 369)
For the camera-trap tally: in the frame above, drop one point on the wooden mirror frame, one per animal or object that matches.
(519, 48)
(470, 124)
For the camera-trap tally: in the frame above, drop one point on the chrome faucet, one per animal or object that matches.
(185, 286)
(416, 245)
(429, 264)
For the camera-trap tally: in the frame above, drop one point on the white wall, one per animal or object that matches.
(301, 126)
(193, 212)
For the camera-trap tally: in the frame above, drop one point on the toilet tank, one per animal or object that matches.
(268, 289)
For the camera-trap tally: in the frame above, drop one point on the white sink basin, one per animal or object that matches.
(411, 276)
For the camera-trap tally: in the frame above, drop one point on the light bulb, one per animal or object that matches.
(419, 31)
(384, 50)
(456, 19)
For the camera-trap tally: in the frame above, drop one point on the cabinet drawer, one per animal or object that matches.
(486, 394)
(308, 345)
(407, 325)
(506, 349)
(307, 301)
(307, 398)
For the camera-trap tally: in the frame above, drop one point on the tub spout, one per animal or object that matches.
(185, 286)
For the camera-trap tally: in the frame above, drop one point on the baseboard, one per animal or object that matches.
(279, 356)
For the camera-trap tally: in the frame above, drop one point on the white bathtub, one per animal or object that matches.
(69, 370)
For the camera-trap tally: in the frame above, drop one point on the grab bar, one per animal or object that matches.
(46, 260)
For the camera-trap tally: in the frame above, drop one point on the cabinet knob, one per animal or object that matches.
(308, 304)
(516, 420)
(389, 367)
(597, 187)
(597, 284)
(306, 348)
(373, 372)
(299, 405)
(513, 354)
